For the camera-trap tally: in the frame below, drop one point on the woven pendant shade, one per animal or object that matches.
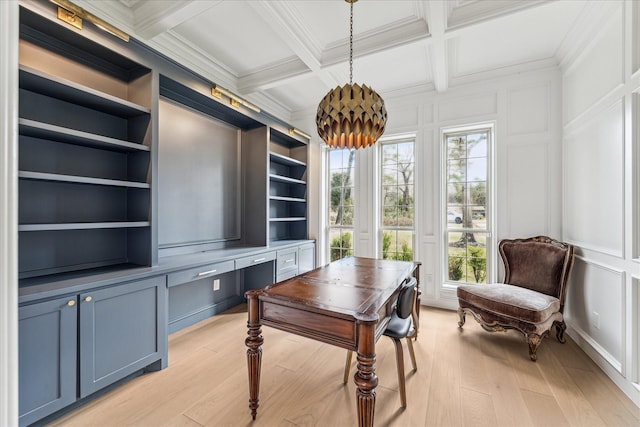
(351, 116)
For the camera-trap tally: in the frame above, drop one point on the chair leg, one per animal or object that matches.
(412, 354)
(347, 366)
(560, 328)
(462, 317)
(534, 341)
(400, 363)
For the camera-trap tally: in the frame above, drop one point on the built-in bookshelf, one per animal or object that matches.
(84, 192)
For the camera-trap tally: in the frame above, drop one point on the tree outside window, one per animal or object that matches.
(397, 199)
(341, 166)
(467, 174)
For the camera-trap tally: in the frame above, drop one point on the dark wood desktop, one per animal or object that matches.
(347, 303)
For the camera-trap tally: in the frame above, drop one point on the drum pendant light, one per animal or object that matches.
(351, 116)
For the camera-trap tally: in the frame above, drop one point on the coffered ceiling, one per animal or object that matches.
(285, 55)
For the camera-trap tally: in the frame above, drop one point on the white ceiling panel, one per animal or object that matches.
(392, 69)
(235, 35)
(532, 35)
(328, 21)
(286, 54)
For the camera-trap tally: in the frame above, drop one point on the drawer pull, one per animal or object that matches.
(71, 302)
(205, 273)
(88, 299)
(288, 260)
(259, 259)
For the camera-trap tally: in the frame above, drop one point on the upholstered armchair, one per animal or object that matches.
(531, 299)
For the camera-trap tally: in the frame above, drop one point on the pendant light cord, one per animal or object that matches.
(351, 47)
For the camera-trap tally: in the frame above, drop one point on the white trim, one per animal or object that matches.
(491, 262)
(9, 20)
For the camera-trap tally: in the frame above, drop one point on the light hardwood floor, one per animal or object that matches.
(464, 378)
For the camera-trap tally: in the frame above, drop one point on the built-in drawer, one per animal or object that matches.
(287, 274)
(255, 259)
(287, 262)
(198, 273)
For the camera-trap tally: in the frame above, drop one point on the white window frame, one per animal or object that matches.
(326, 221)
(491, 263)
(379, 202)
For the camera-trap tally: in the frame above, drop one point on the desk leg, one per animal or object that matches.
(254, 352)
(366, 379)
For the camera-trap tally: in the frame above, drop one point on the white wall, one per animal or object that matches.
(601, 124)
(526, 111)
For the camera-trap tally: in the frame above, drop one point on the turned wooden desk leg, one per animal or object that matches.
(365, 378)
(254, 352)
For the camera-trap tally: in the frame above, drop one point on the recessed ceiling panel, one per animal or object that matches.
(530, 35)
(397, 68)
(328, 21)
(300, 94)
(233, 34)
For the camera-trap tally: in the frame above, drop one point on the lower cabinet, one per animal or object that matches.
(72, 347)
(47, 357)
(306, 257)
(122, 330)
(295, 260)
(287, 265)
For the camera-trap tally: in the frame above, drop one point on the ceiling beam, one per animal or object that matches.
(436, 15)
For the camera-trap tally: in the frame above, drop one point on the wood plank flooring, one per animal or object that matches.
(464, 378)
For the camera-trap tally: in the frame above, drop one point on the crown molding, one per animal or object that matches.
(478, 11)
(273, 75)
(175, 47)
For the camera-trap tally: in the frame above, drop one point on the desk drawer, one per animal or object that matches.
(255, 259)
(198, 273)
(287, 262)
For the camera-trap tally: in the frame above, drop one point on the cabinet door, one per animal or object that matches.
(306, 258)
(122, 330)
(47, 358)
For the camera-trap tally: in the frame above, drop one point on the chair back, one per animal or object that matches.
(538, 263)
(406, 298)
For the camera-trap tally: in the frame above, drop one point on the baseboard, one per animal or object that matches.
(609, 365)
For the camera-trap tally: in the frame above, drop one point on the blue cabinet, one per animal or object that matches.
(47, 351)
(72, 347)
(122, 330)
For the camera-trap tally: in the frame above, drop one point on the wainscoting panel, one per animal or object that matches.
(528, 190)
(599, 70)
(596, 302)
(594, 183)
(528, 110)
(468, 106)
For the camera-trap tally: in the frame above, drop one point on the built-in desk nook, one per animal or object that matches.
(147, 202)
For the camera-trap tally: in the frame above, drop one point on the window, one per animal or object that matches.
(466, 210)
(341, 166)
(397, 199)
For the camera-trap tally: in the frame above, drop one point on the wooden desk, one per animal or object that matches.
(347, 303)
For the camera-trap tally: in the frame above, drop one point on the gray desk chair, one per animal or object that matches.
(400, 326)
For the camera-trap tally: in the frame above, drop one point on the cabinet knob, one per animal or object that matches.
(71, 302)
(88, 299)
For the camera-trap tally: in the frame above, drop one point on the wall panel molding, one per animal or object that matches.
(594, 183)
(598, 71)
(528, 110)
(635, 330)
(530, 163)
(596, 309)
